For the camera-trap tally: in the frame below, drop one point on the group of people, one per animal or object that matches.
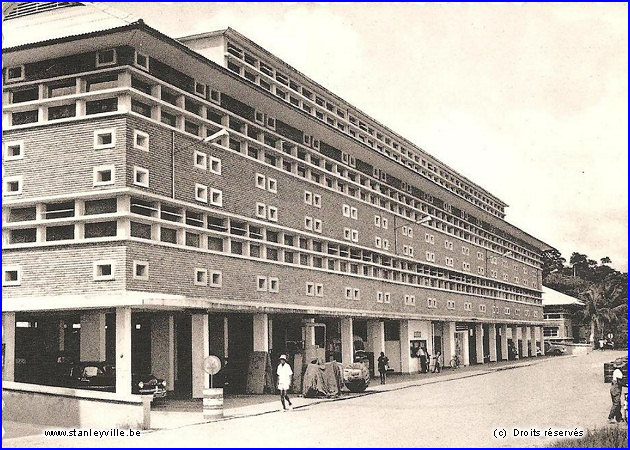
(425, 366)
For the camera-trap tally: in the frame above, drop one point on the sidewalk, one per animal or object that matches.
(240, 406)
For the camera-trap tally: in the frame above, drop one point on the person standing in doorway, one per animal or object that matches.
(285, 374)
(615, 393)
(424, 355)
(383, 364)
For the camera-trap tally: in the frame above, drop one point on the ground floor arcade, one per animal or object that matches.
(172, 343)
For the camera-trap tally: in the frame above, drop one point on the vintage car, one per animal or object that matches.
(356, 376)
(554, 349)
(101, 376)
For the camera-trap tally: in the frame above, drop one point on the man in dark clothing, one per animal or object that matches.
(383, 362)
(615, 393)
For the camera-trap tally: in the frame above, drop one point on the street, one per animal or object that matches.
(560, 393)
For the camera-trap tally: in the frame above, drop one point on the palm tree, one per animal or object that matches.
(606, 303)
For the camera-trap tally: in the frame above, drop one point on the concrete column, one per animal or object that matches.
(375, 339)
(515, 333)
(525, 333)
(163, 348)
(479, 342)
(261, 333)
(123, 350)
(270, 340)
(448, 340)
(347, 341)
(200, 350)
(466, 348)
(8, 340)
(405, 357)
(504, 343)
(61, 335)
(225, 336)
(542, 340)
(309, 337)
(92, 337)
(493, 342)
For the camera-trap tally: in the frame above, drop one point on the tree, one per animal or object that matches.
(605, 260)
(552, 261)
(606, 303)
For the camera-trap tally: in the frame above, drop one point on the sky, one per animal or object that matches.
(529, 101)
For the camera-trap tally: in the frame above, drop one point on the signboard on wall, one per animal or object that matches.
(417, 334)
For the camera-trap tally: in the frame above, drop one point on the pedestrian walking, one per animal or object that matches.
(285, 374)
(383, 365)
(615, 393)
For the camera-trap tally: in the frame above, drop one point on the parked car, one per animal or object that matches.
(554, 349)
(101, 376)
(356, 376)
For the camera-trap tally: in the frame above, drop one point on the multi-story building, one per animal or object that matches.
(166, 199)
(560, 313)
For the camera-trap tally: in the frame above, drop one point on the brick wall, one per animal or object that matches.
(59, 159)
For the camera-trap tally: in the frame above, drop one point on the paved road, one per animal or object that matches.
(561, 393)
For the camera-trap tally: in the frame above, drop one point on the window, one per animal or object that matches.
(319, 290)
(317, 226)
(140, 140)
(261, 283)
(348, 293)
(430, 256)
(431, 302)
(310, 289)
(506, 311)
(23, 236)
(479, 255)
(387, 298)
(103, 271)
(467, 306)
(430, 239)
(24, 117)
(308, 223)
(274, 285)
(450, 304)
(215, 165)
(103, 175)
(105, 138)
(379, 297)
(201, 193)
(317, 200)
(347, 234)
(15, 73)
(141, 270)
(272, 185)
(385, 244)
(345, 210)
(140, 176)
(308, 197)
(216, 278)
(201, 277)
(354, 213)
(355, 236)
(216, 197)
(260, 181)
(384, 223)
(261, 210)
(200, 160)
(466, 266)
(200, 89)
(356, 294)
(12, 276)
(62, 111)
(377, 221)
(26, 95)
(377, 242)
(13, 185)
(105, 57)
(141, 60)
(272, 213)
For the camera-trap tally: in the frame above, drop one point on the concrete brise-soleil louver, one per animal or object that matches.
(129, 237)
